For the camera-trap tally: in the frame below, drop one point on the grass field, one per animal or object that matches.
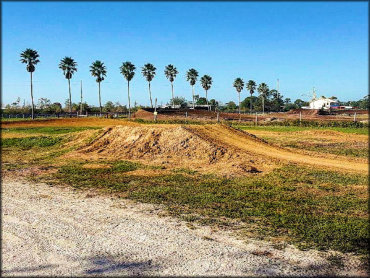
(293, 202)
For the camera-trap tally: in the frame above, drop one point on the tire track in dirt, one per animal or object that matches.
(243, 141)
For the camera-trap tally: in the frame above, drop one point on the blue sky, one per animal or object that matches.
(304, 44)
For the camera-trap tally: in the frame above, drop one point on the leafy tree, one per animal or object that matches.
(206, 82)
(213, 102)
(300, 103)
(128, 71)
(99, 71)
(192, 76)
(275, 102)
(148, 71)
(43, 103)
(69, 67)
(238, 85)
(179, 101)
(201, 101)
(30, 57)
(251, 87)
(170, 71)
(56, 107)
(231, 105)
(263, 89)
(109, 106)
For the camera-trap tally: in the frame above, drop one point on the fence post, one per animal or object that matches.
(300, 116)
(354, 117)
(218, 117)
(256, 118)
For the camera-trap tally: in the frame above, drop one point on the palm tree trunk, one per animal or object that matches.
(207, 99)
(192, 88)
(250, 109)
(263, 105)
(100, 100)
(239, 102)
(173, 101)
(129, 104)
(70, 97)
(32, 108)
(81, 100)
(150, 96)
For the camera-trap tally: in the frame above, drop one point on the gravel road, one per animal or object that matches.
(50, 230)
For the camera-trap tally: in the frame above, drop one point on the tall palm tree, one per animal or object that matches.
(128, 71)
(170, 71)
(148, 71)
(206, 82)
(69, 67)
(30, 57)
(238, 85)
(98, 70)
(263, 89)
(251, 86)
(192, 76)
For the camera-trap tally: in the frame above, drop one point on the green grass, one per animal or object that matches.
(310, 207)
(46, 130)
(30, 142)
(313, 208)
(362, 130)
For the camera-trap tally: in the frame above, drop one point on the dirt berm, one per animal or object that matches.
(206, 148)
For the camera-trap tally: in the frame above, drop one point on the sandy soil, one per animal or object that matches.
(57, 231)
(238, 139)
(213, 148)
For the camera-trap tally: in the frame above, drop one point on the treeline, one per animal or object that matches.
(269, 100)
(272, 103)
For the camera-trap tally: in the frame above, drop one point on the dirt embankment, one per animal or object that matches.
(171, 146)
(207, 148)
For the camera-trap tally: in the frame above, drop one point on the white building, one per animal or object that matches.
(322, 103)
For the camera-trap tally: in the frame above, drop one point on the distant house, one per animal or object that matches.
(322, 103)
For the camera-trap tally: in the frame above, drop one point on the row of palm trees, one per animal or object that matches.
(98, 70)
(251, 86)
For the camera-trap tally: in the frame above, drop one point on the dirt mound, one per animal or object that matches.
(310, 112)
(169, 147)
(143, 114)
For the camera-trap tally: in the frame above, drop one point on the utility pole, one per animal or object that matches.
(278, 93)
(81, 100)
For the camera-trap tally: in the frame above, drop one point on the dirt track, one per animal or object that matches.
(52, 231)
(241, 140)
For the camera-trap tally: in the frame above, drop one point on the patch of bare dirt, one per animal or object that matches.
(171, 146)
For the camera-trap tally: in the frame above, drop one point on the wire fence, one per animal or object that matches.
(65, 115)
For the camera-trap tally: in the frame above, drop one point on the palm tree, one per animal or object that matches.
(206, 82)
(263, 90)
(251, 86)
(192, 76)
(238, 85)
(128, 71)
(69, 67)
(99, 71)
(170, 71)
(148, 71)
(30, 57)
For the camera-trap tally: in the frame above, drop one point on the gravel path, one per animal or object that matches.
(57, 231)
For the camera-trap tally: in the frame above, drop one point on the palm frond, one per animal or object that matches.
(148, 71)
(98, 70)
(206, 82)
(128, 70)
(170, 72)
(69, 67)
(238, 84)
(192, 76)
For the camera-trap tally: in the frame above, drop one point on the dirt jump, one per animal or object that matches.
(209, 148)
